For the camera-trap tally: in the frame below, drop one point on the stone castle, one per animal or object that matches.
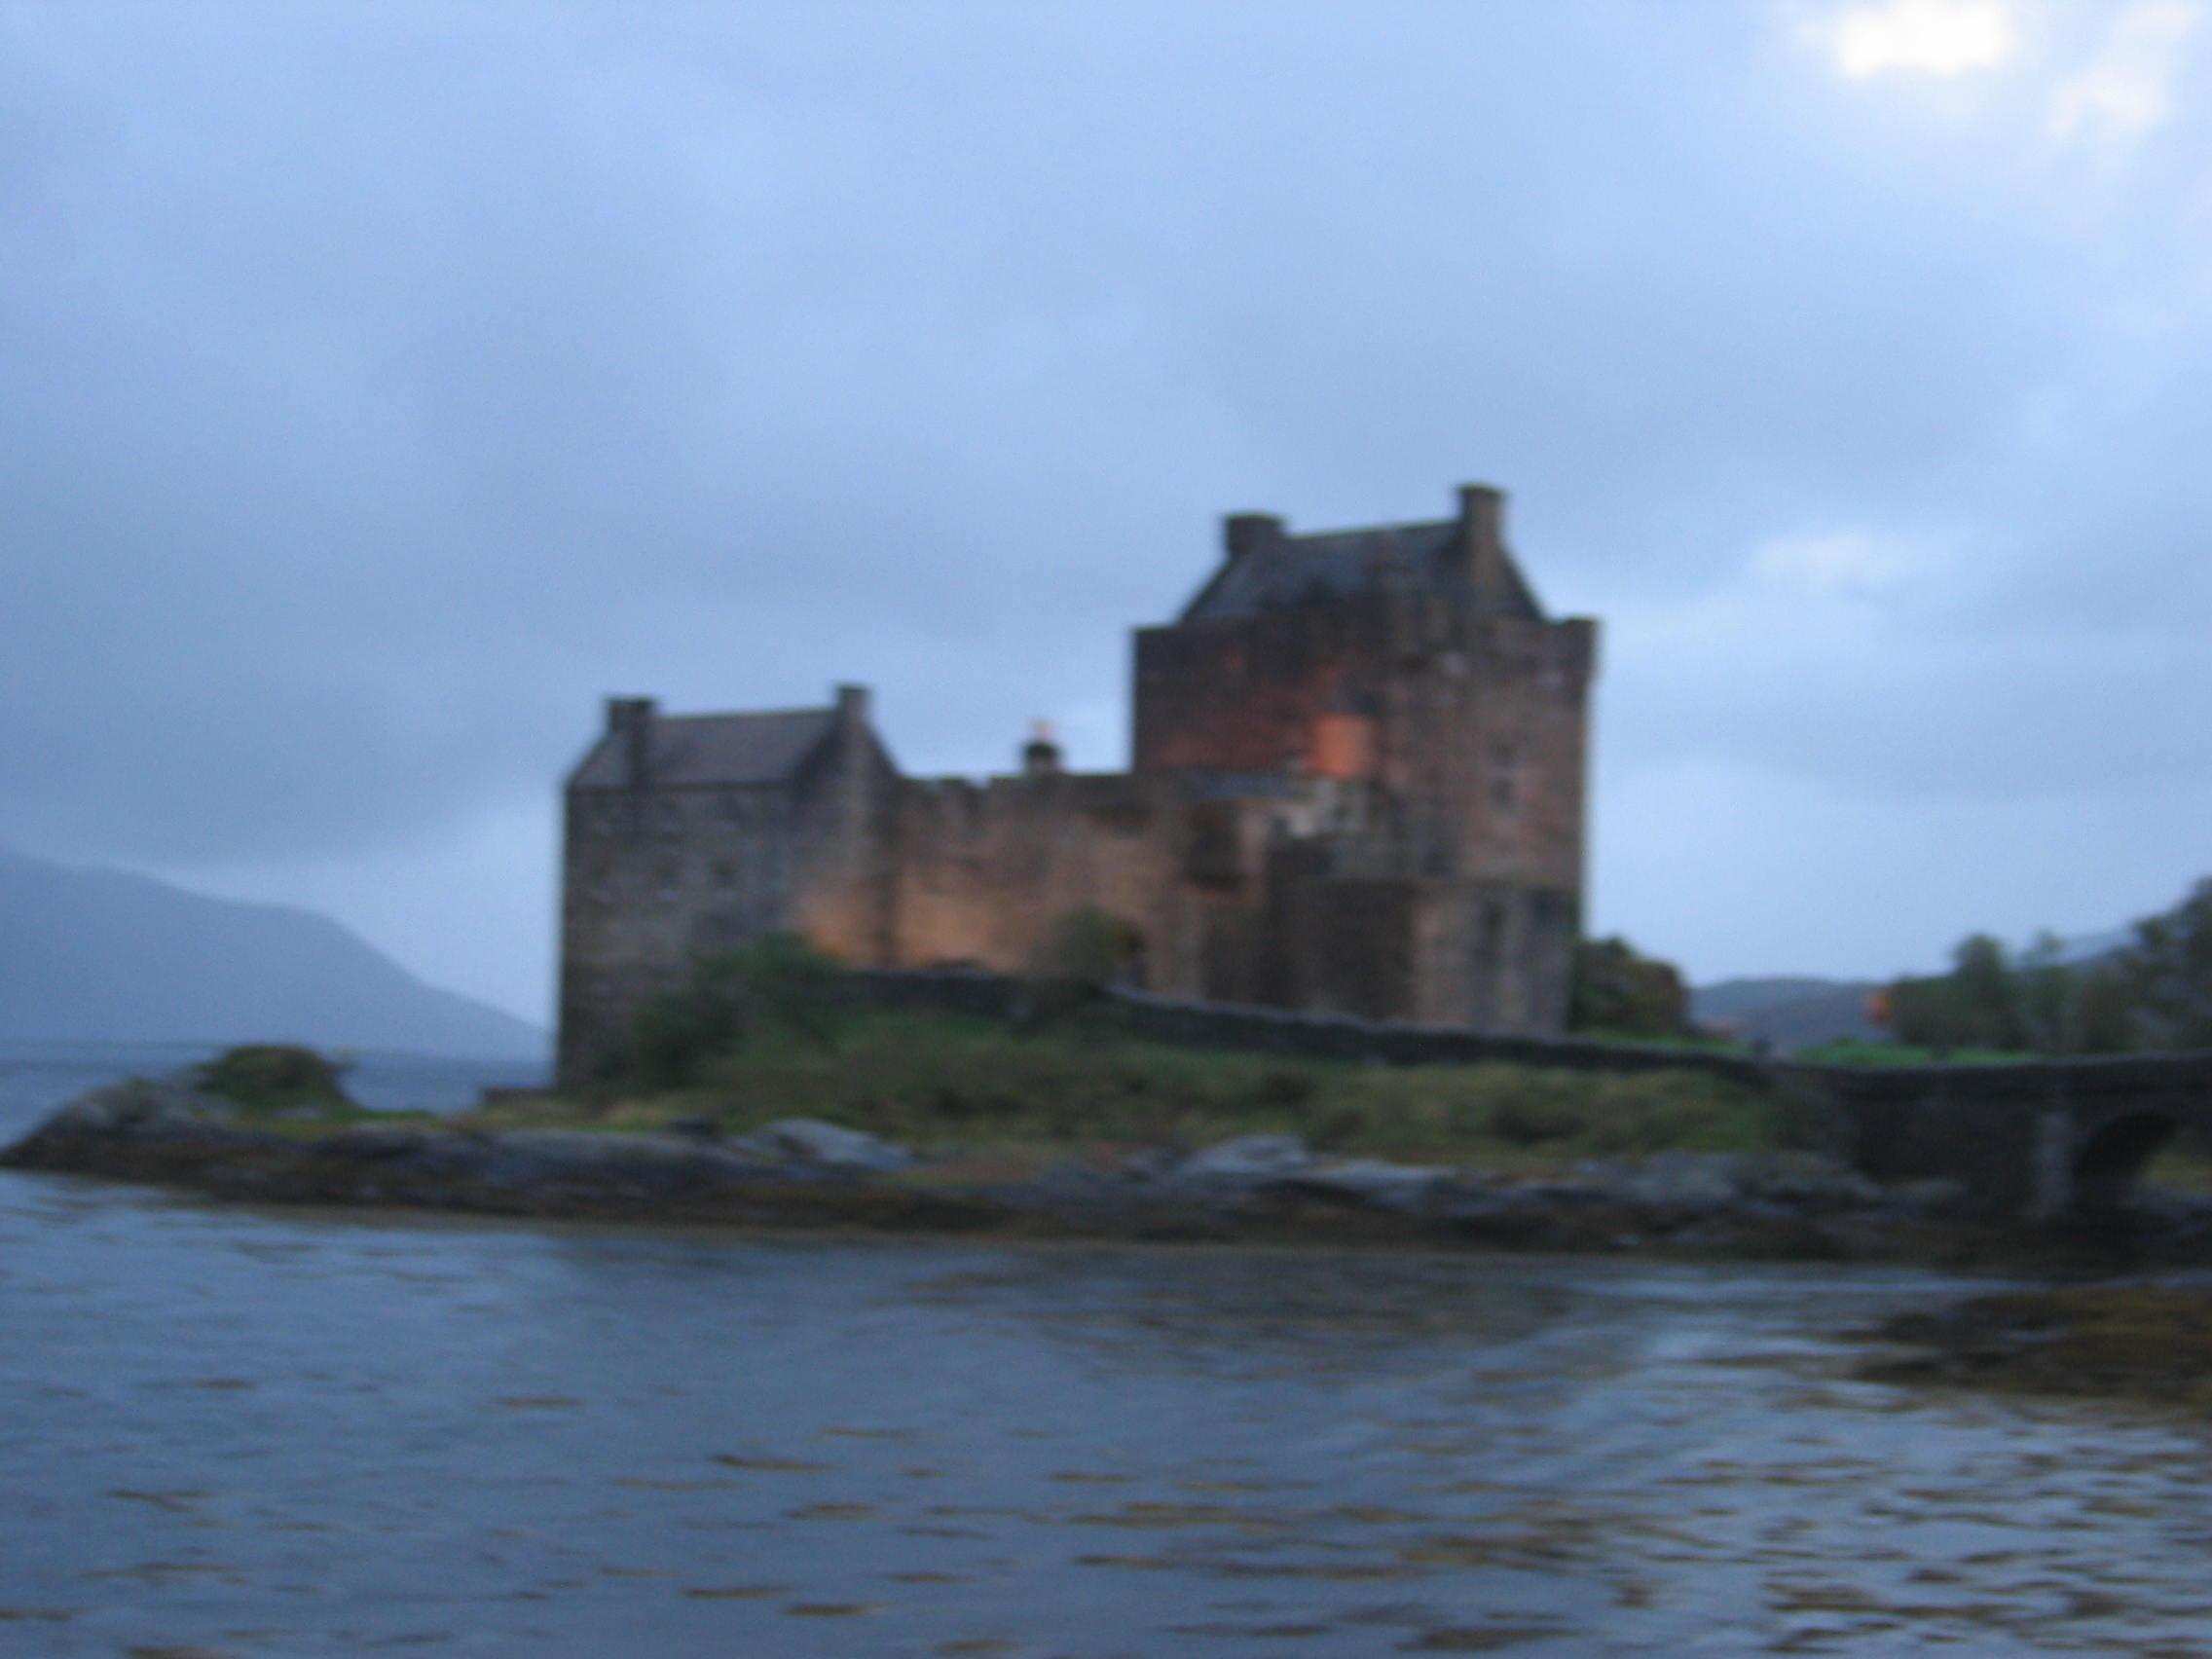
(1357, 785)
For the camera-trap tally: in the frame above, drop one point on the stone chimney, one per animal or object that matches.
(630, 723)
(1481, 537)
(1482, 514)
(1041, 754)
(1243, 534)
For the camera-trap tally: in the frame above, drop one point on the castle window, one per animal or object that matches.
(1504, 786)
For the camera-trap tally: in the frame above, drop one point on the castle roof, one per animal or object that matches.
(713, 748)
(1462, 559)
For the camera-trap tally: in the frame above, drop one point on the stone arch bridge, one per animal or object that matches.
(2040, 1142)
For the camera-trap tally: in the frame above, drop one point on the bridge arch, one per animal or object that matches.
(2112, 1156)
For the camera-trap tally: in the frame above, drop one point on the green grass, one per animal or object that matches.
(942, 1083)
(1852, 1052)
(1703, 1042)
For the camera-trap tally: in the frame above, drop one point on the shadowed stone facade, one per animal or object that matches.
(1357, 785)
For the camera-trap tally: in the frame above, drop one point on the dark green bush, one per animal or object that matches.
(1619, 992)
(777, 988)
(274, 1077)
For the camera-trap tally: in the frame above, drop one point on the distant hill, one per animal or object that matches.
(98, 955)
(1801, 1010)
(1788, 1011)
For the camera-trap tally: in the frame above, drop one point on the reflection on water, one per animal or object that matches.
(256, 1434)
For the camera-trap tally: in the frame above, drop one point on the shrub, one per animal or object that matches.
(777, 987)
(1081, 954)
(274, 1078)
(1619, 992)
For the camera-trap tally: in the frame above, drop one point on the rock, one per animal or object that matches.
(374, 1142)
(1762, 1182)
(1929, 1198)
(1248, 1157)
(138, 1104)
(704, 1130)
(1805, 1180)
(1692, 1179)
(1153, 1164)
(1546, 1195)
(808, 1140)
(1402, 1187)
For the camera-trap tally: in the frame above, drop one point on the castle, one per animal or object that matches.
(1357, 784)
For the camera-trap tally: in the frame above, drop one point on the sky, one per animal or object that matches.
(383, 385)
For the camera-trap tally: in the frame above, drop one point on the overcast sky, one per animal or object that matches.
(383, 385)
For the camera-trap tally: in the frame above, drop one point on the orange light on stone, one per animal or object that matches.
(1343, 747)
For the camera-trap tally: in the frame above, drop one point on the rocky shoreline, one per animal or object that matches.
(805, 1174)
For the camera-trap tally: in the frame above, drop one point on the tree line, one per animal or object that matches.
(2153, 993)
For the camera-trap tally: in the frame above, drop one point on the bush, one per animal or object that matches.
(274, 1078)
(1620, 993)
(777, 987)
(1081, 953)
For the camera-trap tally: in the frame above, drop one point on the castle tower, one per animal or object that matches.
(1407, 676)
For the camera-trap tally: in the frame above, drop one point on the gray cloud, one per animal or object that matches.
(379, 385)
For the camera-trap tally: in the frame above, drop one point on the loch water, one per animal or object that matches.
(263, 1434)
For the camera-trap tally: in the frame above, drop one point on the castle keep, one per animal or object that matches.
(1357, 785)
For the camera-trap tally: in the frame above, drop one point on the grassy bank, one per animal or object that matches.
(942, 1083)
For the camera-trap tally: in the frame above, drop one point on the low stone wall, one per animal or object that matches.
(1284, 1031)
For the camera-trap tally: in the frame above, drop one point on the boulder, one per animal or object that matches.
(1691, 1179)
(1151, 1163)
(1403, 1187)
(1248, 1157)
(1707, 1180)
(1809, 1179)
(809, 1140)
(139, 1106)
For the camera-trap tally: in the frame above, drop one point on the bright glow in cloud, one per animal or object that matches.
(1846, 566)
(1937, 37)
(2128, 88)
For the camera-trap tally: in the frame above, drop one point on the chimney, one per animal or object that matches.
(630, 722)
(1482, 519)
(1040, 755)
(851, 704)
(1480, 551)
(1243, 534)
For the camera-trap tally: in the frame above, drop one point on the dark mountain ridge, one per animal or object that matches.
(101, 956)
(1788, 1011)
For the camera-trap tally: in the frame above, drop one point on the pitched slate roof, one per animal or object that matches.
(1291, 571)
(715, 749)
